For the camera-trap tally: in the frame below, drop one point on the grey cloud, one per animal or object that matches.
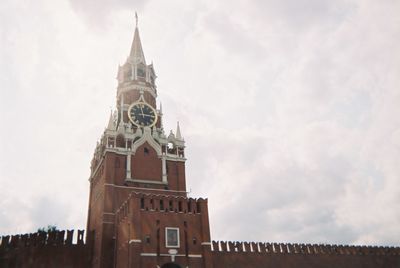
(288, 109)
(47, 210)
(305, 14)
(97, 12)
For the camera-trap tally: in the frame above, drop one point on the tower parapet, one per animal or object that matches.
(306, 249)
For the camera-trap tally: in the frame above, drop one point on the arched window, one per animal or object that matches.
(121, 141)
(140, 71)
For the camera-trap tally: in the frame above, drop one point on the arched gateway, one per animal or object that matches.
(170, 265)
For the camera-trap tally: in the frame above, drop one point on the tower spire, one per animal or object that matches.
(137, 55)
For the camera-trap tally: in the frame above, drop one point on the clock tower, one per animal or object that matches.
(139, 212)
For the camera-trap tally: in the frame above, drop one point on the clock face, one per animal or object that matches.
(142, 115)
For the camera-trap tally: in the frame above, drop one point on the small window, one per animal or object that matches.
(147, 239)
(194, 241)
(142, 203)
(172, 237)
(161, 205)
(180, 206)
(146, 151)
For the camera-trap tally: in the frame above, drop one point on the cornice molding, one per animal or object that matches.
(138, 87)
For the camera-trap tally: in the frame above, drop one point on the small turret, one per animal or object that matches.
(111, 122)
(178, 132)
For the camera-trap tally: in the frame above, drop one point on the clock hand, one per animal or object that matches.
(148, 115)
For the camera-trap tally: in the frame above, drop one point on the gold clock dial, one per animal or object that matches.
(142, 115)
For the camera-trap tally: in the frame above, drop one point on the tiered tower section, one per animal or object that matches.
(143, 155)
(134, 155)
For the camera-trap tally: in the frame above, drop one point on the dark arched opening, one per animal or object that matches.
(120, 141)
(170, 265)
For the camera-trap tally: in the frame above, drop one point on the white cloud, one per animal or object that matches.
(289, 110)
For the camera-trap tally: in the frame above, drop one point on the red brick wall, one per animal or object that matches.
(176, 175)
(143, 217)
(307, 256)
(146, 166)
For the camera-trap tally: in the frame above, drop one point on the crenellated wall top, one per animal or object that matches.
(307, 249)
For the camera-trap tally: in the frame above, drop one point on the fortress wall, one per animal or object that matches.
(45, 249)
(252, 254)
(141, 224)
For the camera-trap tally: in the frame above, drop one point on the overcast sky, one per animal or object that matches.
(290, 110)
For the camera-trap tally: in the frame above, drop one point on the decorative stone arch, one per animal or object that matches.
(150, 140)
(171, 265)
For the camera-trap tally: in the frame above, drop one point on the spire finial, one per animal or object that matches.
(136, 19)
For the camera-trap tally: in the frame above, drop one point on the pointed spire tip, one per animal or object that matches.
(136, 55)
(178, 131)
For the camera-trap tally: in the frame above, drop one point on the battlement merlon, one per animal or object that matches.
(51, 238)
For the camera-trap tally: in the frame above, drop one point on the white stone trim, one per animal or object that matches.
(145, 254)
(164, 169)
(128, 166)
(195, 256)
(141, 188)
(176, 255)
(173, 157)
(128, 88)
(148, 254)
(135, 241)
(149, 181)
(206, 244)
